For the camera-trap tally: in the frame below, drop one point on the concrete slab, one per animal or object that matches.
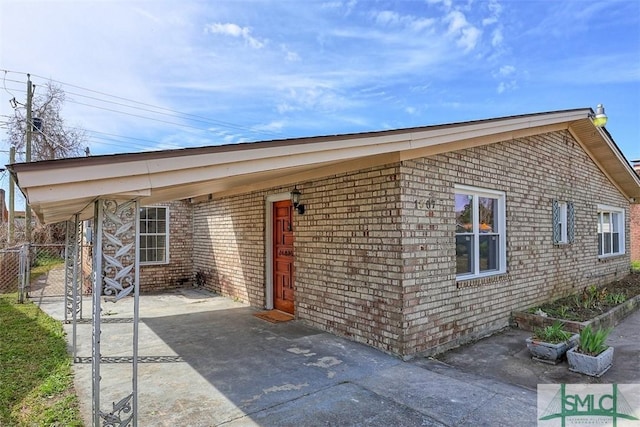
(448, 400)
(207, 361)
(504, 357)
(341, 405)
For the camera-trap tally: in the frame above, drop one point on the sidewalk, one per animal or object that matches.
(207, 361)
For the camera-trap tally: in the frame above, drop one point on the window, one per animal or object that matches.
(154, 235)
(610, 231)
(480, 232)
(563, 222)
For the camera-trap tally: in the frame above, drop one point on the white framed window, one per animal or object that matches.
(154, 235)
(481, 246)
(611, 238)
(563, 222)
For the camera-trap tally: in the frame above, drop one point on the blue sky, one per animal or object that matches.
(192, 73)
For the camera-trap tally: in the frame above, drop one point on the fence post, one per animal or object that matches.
(23, 273)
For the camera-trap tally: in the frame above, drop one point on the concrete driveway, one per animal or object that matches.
(207, 361)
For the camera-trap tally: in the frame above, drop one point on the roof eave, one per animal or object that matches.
(240, 167)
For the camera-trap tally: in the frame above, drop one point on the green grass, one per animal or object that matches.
(43, 264)
(36, 381)
(635, 266)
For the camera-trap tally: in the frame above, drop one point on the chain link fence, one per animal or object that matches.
(45, 268)
(9, 269)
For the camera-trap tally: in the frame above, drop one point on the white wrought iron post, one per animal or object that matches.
(116, 267)
(72, 276)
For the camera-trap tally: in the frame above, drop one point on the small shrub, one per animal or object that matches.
(635, 266)
(592, 343)
(616, 298)
(553, 333)
(562, 312)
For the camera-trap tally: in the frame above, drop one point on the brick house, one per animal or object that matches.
(411, 240)
(635, 223)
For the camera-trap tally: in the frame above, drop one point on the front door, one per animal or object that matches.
(283, 290)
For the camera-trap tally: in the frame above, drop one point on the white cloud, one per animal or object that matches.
(496, 37)
(489, 21)
(506, 75)
(507, 86)
(235, 30)
(289, 55)
(391, 18)
(506, 70)
(495, 7)
(421, 88)
(348, 6)
(387, 17)
(446, 3)
(274, 126)
(421, 23)
(458, 26)
(469, 38)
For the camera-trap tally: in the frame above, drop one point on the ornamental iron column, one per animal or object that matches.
(116, 267)
(72, 276)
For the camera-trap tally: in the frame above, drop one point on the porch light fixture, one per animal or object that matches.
(599, 119)
(295, 200)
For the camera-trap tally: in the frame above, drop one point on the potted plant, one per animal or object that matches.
(592, 356)
(550, 343)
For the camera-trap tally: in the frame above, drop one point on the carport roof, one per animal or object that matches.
(58, 189)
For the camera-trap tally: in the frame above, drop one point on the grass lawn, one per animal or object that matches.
(36, 381)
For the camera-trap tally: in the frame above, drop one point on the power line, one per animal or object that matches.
(174, 112)
(136, 106)
(139, 116)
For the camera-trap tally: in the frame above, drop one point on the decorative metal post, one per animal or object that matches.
(116, 267)
(72, 276)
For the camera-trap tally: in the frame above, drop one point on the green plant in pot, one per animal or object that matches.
(550, 343)
(592, 356)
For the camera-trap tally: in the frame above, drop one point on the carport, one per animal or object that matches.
(111, 189)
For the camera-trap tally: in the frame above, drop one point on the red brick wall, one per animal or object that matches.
(229, 246)
(441, 312)
(179, 271)
(376, 267)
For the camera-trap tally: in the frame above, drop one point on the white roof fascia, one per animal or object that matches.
(279, 156)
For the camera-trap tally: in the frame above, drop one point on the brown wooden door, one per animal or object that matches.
(283, 290)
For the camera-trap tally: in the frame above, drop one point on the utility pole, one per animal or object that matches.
(12, 198)
(27, 209)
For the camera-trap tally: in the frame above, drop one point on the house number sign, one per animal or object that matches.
(426, 204)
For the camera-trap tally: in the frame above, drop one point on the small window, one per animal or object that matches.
(480, 232)
(154, 235)
(563, 222)
(611, 239)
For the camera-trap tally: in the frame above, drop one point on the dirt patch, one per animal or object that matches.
(592, 301)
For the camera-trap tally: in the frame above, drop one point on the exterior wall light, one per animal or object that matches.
(295, 200)
(599, 119)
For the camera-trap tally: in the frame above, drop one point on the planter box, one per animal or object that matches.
(550, 353)
(529, 321)
(594, 366)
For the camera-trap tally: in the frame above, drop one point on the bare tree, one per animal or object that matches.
(51, 137)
